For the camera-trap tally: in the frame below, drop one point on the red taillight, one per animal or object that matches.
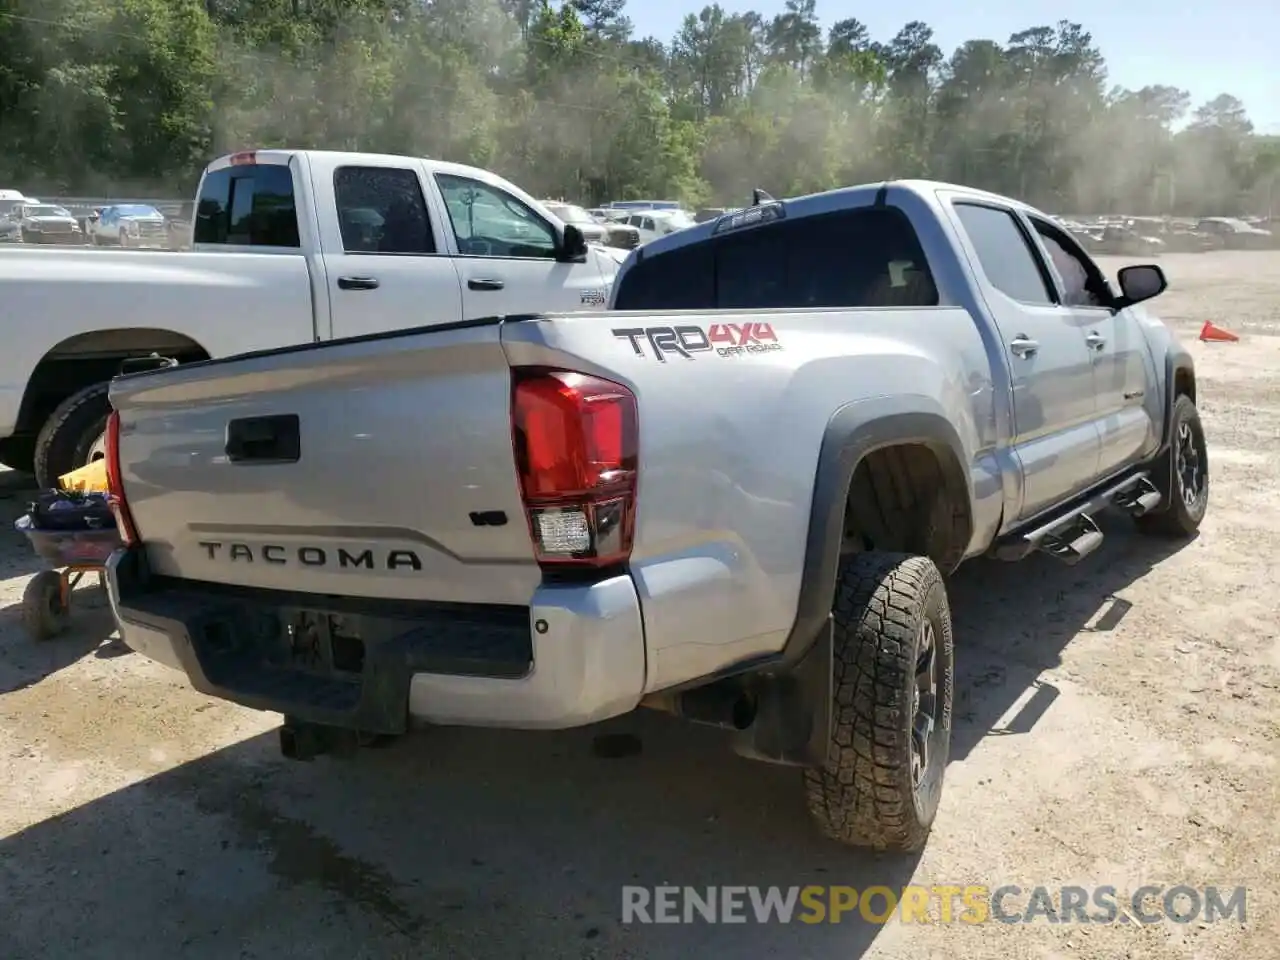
(115, 488)
(576, 439)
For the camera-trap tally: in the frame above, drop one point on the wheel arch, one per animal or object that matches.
(853, 447)
(84, 359)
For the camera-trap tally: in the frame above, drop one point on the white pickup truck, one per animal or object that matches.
(288, 247)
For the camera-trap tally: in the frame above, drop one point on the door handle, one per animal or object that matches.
(357, 283)
(272, 439)
(1024, 346)
(1096, 340)
(485, 283)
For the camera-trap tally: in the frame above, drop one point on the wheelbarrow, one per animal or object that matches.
(74, 534)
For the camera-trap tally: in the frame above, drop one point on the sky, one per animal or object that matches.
(1206, 48)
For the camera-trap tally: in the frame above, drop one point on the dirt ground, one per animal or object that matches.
(1117, 723)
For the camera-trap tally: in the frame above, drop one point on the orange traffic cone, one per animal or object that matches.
(1211, 334)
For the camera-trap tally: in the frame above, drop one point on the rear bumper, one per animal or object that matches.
(574, 656)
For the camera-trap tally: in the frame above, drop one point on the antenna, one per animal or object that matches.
(759, 196)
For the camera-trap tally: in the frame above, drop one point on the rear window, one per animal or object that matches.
(869, 257)
(248, 205)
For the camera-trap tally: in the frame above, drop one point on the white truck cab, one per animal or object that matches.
(397, 242)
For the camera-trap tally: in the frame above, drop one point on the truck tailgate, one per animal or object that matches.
(378, 467)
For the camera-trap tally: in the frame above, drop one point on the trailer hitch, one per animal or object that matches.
(303, 740)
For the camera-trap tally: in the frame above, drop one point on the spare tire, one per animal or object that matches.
(72, 435)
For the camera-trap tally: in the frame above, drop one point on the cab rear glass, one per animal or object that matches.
(865, 257)
(250, 205)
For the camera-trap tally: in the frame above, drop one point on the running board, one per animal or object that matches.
(1141, 498)
(1073, 535)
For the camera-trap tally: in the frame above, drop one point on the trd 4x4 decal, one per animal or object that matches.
(726, 339)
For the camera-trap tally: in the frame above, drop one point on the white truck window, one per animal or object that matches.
(248, 205)
(382, 210)
(488, 222)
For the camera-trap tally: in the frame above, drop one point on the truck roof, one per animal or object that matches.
(828, 201)
(282, 157)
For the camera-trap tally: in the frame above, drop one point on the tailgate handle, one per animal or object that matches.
(272, 439)
(357, 283)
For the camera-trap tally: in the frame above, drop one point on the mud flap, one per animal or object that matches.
(792, 723)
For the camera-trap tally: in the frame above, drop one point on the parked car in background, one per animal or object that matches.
(9, 199)
(644, 205)
(709, 213)
(1127, 240)
(595, 229)
(653, 224)
(46, 223)
(129, 225)
(1236, 234)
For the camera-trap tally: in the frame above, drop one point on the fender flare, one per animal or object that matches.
(852, 433)
(1176, 360)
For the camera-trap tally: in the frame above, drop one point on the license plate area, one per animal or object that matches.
(321, 643)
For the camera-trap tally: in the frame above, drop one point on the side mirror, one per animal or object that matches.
(1139, 283)
(573, 248)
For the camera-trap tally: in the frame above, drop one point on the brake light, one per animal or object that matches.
(575, 438)
(115, 486)
(244, 159)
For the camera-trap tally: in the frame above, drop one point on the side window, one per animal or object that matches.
(249, 205)
(648, 224)
(382, 210)
(680, 279)
(1007, 260)
(489, 222)
(1084, 285)
(866, 257)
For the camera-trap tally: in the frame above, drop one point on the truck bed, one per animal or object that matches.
(405, 485)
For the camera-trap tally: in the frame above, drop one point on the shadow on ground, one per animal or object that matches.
(1013, 620)
(25, 661)
(477, 844)
(454, 843)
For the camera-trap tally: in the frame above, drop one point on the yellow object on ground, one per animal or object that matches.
(91, 478)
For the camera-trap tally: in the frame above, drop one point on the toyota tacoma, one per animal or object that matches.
(734, 495)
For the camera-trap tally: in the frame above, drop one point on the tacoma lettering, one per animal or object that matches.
(341, 558)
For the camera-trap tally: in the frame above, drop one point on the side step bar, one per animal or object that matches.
(1073, 535)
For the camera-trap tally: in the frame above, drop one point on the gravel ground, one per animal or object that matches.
(1117, 723)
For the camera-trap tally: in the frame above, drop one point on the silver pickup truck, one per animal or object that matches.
(733, 496)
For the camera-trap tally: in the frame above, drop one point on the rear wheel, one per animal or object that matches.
(73, 435)
(891, 720)
(1181, 476)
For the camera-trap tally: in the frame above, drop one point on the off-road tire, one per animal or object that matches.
(1175, 517)
(865, 794)
(66, 438)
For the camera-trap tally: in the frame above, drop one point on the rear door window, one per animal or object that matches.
(251, 205)
(866, 257)
(1005, 253)
(382, 210)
